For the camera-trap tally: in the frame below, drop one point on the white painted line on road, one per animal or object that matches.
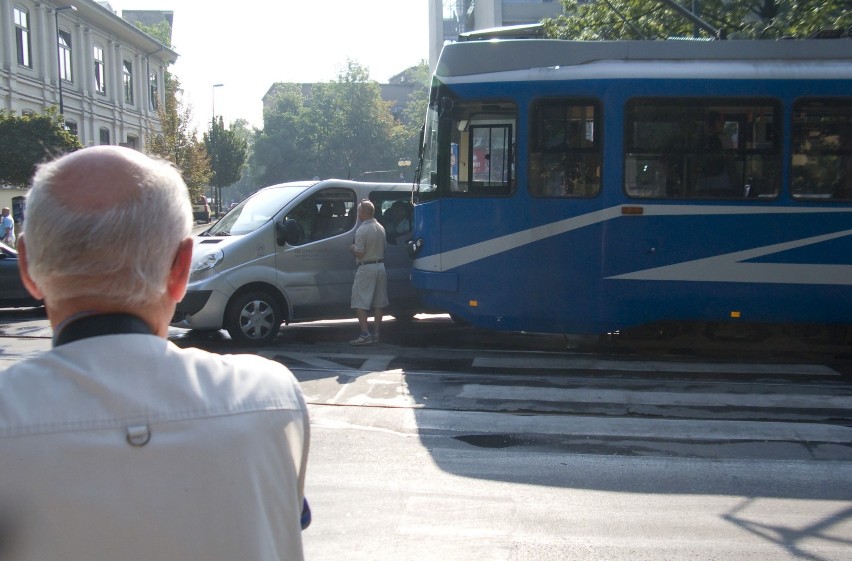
(567, 363)
(634, 397)
(668, 429)
(377, 363)
(414, 421)
(309, 359)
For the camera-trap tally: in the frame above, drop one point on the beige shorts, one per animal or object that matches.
(370, 289)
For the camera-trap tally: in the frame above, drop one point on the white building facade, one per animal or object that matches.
(448, 18)
(105, 75)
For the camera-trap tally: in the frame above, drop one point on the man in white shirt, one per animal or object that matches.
(370, 288)
(117, 444)
(7, 228)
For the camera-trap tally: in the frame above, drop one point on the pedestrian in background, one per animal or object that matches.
(116, 443)
(370, 289)
(7, 228)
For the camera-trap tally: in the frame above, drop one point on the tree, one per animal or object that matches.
(283, 150)
(342, 129)
(227, 154)
(360, 124)
(178, 143)
(414, 113)
(742, 19)
(245, 185)
(30, 140)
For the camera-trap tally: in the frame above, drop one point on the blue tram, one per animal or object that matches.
(587, 187)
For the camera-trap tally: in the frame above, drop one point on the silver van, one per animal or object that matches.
(282, 255)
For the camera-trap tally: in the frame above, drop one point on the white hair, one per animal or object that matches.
(123, 252)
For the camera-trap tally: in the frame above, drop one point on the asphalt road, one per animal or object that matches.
(444, 442)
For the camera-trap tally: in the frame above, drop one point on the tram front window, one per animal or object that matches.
(429, 156)
(480, 147)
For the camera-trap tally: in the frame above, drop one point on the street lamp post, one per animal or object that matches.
(59, 57)
(213, 104)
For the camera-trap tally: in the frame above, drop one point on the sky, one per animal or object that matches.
(248, 45)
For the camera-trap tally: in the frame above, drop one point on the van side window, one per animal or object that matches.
(325, 214)
(395, 214)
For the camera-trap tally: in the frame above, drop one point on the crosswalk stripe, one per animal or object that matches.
(571, 363)
(639, 397)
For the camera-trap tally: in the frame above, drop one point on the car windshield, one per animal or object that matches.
(255, 211)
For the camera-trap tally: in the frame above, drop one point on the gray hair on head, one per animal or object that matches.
(369, 207)
(105, 223)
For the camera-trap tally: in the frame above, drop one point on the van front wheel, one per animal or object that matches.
(253, 318)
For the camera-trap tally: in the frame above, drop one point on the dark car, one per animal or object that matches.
(12, 291)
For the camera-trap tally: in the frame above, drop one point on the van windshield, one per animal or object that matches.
(255, 211)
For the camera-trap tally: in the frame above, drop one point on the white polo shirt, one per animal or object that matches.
(126, 447)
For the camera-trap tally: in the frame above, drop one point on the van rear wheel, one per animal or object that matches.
(253, 318)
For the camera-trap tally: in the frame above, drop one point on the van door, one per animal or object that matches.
(396, 214)
(316, 272)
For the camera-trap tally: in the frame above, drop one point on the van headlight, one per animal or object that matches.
(206, 264)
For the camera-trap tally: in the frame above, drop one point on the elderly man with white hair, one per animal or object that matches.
(116, 443)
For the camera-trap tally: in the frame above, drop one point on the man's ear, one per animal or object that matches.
(23, 270)
(179, 273)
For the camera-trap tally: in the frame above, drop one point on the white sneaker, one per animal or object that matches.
(362, 340)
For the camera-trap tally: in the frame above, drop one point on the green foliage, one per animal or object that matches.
(178, 143)
(342, 129)
(30, 140)
(742, 19)
(161, 31)
(277, 156)
(414, 112)
(227, 153)
(245, 186)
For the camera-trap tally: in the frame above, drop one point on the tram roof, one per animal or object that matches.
(484, 57)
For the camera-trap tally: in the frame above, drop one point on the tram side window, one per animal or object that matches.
(565, 149)
(482, 145)
(702, 148)
(822, 149)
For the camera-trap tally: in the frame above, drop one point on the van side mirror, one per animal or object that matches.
(288, 231)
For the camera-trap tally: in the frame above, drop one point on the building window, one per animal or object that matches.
(100, 70)
(128, 81)
(71, 126)
(65, 56)
(104, 136)
(132, 142)
(22, 37)
(154, 88)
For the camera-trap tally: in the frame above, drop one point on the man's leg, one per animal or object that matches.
(362, 320)
(377, 323)
(364, 338)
